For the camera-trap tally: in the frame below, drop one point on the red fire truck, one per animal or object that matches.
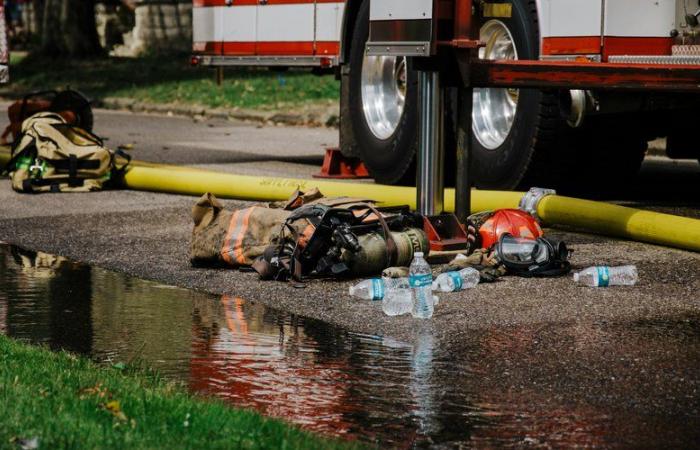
(520, 136)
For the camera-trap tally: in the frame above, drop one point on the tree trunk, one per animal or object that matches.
(69, 29)
(37, 18)
(51, 39)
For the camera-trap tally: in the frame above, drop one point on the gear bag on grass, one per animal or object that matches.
(54, 156)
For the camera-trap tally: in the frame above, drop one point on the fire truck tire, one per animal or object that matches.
(388, 152)
(505, 156)
(504, 162)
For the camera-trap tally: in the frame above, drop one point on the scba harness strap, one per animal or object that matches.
(318, 248)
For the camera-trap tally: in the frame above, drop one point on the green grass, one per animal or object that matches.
(66, 401)
(170, 79)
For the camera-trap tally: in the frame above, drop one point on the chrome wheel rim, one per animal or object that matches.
(383, 93)
(494, 108)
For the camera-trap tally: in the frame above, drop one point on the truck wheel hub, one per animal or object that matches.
(494, 108)
(383, 93)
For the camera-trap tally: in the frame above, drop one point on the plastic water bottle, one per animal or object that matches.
(420, 278)
(602, 276)
(456, 281)
(378, 288)
(398, 296)
(372, 289)
(396, 283)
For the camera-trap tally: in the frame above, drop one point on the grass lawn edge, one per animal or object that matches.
(166, 84)
(63, 400)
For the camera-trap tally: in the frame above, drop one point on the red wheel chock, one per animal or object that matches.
(337, 166)
(445, 233)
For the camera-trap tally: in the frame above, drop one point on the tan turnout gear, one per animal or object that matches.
(308, 235)
(236, 238)
(232, 238)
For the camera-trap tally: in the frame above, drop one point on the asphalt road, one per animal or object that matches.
(217, 143)
(147, 235)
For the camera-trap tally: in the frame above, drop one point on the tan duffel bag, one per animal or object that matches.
(54, 156)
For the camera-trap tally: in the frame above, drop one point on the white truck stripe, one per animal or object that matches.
(286, 23)
(238, 23)
(400, 9)
(329, 21)
(553, 13)
(640, 18)
(268, 23)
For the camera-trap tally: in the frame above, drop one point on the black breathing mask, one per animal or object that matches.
(539, 257)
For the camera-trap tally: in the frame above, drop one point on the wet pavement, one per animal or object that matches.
(518, 362)
(604, 384)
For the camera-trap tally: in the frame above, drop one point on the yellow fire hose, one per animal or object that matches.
(614, 220)
(591, 216)
(261, 188)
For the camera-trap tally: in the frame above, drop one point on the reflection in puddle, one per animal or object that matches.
(306, 371)
(559, 385)
(267, 364)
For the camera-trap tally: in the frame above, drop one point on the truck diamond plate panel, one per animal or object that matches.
(685, 50)
(675, 60)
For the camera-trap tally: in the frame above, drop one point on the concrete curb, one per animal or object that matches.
(310, 116)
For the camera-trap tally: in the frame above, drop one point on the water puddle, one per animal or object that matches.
(516, 386)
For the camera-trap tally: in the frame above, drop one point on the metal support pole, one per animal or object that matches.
(463, 180)
(431, 153)
(466, 28)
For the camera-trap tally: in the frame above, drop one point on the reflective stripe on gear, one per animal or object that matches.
(232, 250)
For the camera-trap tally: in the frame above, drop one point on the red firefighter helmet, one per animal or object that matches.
(513, 221)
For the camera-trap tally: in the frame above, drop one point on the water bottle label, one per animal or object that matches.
(377, 289)
(603, 276)
(420, 280)
(456, 279)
